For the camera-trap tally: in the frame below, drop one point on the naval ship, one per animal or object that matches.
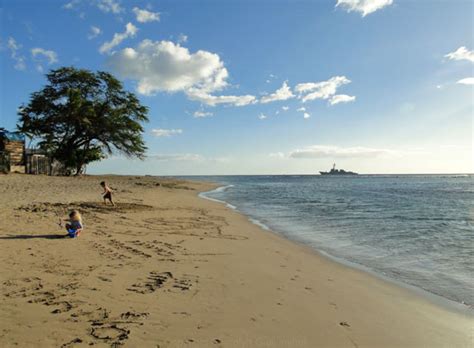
(335, 171)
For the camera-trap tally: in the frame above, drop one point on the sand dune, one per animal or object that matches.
(165, 268)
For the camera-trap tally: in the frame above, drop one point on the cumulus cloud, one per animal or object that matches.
(111, 6)
(301, 109)
(364, 7)
(466, 81)
(50, 56)
(283, 93)
(262, 116)
(202, 114)
(19, 59)
(462, 53)
(285, 108)
(320, 90)
(94, 32)
(341, 98)
(306, 115)
(329, 151)
(164, 66)
(159, 132)
(130, 31)
(144, 16)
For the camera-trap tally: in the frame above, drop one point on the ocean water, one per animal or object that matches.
(415, 229)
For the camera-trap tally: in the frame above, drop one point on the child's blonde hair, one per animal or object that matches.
(75, 215)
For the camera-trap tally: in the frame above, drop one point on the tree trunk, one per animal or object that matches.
(79, 169)
(81, 163)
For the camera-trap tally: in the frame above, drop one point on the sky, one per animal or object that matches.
(264, 86)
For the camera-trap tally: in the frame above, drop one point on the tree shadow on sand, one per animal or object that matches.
(34, 236)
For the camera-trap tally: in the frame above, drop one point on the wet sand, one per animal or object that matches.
(165, 268)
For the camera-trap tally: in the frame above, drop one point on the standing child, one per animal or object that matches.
(74, 224)
(107, 194)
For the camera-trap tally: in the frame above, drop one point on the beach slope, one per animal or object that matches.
(165, 268)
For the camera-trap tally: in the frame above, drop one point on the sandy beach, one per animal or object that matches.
(166, 268)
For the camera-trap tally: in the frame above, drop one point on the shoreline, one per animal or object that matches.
(433, 298)
(166, 267)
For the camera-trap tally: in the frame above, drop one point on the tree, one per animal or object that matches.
(82, 116)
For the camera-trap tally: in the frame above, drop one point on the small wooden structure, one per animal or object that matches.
(15, 158)
(37, 162)
(12, 152)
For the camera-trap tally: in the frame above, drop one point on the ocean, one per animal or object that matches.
(414, 229)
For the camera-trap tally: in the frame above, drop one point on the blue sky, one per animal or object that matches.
(386, 86)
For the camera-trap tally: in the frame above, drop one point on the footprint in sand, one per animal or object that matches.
(63, 306)
(71, 343)
(104, 279)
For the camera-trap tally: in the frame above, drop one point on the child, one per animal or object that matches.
(74, 226)
(107, 194)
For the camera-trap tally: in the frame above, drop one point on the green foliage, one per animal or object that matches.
(82, 116)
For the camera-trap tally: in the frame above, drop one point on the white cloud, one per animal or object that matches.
(364, 7)
(201, 114)
(159, 132)
(277, 155)
(51, 56)
(189, 157)
(71, 5)
(306, 115)
(144, 16)
(130, 31)
(466, 81)
(320, 90)
(109, 6)
(301, 109)
(163, 66)
(94, 32)
(166, 66)
(329, 151)
(341, 98)
(213, 100)
(182, 38)
(462, 53)
(283, 93)
(285, 108)
(262, 117)
(14, 47)
(177, 157)
(455, 147)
